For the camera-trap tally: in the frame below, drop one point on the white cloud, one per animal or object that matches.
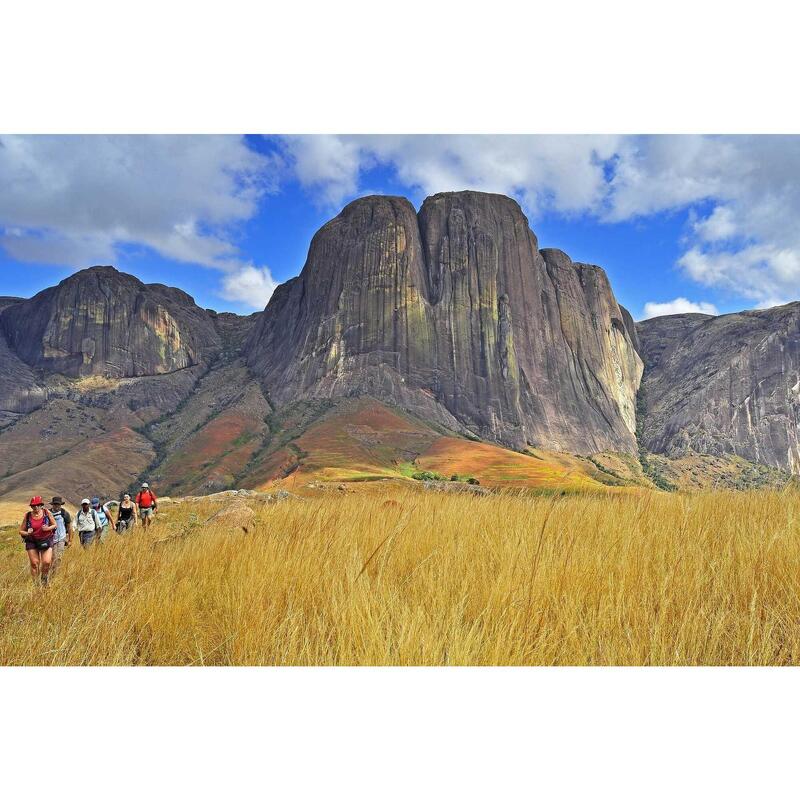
(743, 192)
(748, 243)
(718, 225)
(562, 172)
(680, 305)
(330, 165)
(73, 200)
(249, 285)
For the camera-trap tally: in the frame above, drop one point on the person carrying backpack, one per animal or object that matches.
(63, 533)
(104, 515)
(126, 514)
(87, 522)
(36, 531)
(148, 504)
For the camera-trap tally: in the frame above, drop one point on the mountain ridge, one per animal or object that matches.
(450, 314)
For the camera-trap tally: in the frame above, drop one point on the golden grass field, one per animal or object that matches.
(413, 577)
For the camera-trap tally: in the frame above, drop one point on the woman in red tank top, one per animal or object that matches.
(37, 532)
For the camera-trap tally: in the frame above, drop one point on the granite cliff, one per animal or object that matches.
(727, 384)
(103, 322)
(455, 315)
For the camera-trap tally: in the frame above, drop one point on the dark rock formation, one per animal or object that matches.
(103, 322)
(727, 384)
(455, 315)
(658, 334)
(20, 392)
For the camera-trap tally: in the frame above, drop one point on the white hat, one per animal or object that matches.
(145, 486)
(86, 500)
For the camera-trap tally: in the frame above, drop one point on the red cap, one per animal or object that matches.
(36, 501)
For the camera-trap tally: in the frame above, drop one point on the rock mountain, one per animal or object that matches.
(451, 318)
(455, 314)
(727, 384)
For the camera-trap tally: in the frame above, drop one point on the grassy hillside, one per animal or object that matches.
(417, 577)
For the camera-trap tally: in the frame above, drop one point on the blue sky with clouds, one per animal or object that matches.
(678, 222)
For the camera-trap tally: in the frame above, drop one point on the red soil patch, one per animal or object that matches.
(498, 467)
(362, 439)
(215, 453)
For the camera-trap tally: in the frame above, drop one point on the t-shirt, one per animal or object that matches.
(145, 499)
(63, 521)
(103, 513)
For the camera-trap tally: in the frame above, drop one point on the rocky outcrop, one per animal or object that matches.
(659, 335)
(20, 392)
(727, 384)
(455, 315)
(103, 322)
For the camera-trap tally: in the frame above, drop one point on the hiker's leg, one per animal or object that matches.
(33, 558)
(58, 554)
(45, 561)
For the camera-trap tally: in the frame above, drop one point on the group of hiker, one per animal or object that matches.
(46, 532)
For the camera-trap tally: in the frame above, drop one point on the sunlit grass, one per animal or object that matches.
(427, 578)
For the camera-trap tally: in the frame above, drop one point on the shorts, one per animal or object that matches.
(145, 512)
(103, 533)
(58, 554)
(125, 525)
(38, 544)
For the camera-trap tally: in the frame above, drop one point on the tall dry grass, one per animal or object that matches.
(429, 579)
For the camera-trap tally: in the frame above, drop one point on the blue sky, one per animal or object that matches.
(678, 222)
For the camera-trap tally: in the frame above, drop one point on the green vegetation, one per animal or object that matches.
(242, 438)
(614, 478)
(426, 475)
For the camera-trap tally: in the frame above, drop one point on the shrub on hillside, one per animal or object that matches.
(425, 475)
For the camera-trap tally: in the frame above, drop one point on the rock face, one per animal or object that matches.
(727, 384)
(19, 391)
(103, 322)
(457, 316)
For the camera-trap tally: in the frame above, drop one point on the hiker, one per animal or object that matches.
(148, 504)
(36, 531)
(126, 514)
(105, 516)
(63, 533)
(87, 522)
